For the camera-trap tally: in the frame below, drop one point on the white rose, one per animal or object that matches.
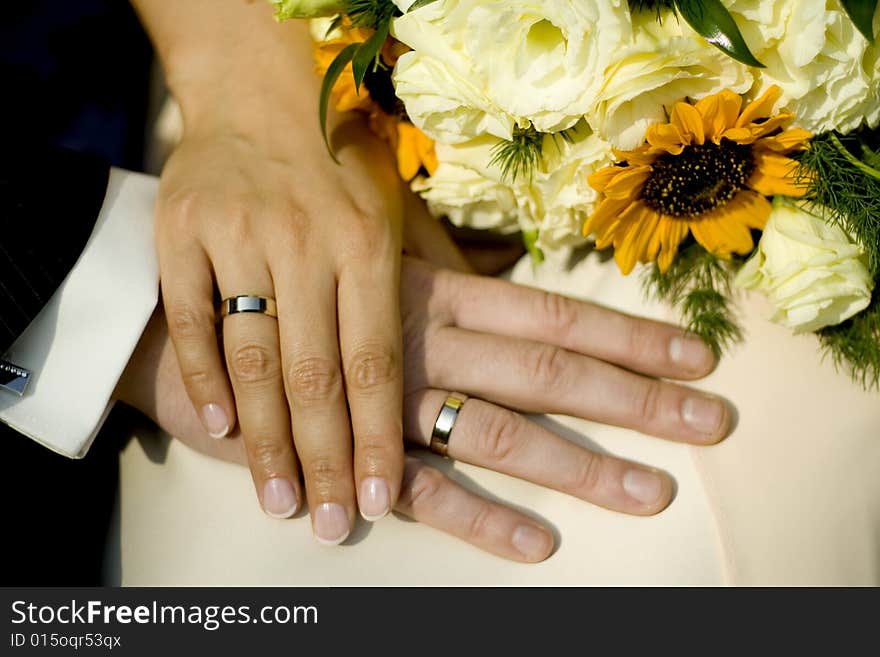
(531, 63)
(444, 105)
(665, 63)
(812, 272)
(557, 199)
(467, 190)
(828, 72)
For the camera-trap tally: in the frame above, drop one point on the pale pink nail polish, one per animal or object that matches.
(374, 498)
(330, 523)
(215, 420)
(279, 498)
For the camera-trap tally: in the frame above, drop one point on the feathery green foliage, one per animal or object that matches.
(855, 345)
(520, 155)
(698, 284)
(843, 175)
(840, 175)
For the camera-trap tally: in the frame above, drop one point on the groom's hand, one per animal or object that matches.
(520, 348)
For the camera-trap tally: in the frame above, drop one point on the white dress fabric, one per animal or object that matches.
(792, 497)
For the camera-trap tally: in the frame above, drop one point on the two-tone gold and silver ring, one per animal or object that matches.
(248, 303)
(445, 422)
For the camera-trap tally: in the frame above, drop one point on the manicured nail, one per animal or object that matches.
(691, 353)
(330, 524)
(642, 485)
(703, 414)
(375, 498)
(215, 421)
(279, 498)
(533, 543)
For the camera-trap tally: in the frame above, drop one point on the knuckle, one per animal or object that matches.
(498, 437)
(267, 455)
(372, 367)
(314, 379)
(187, 322)
(646, 403)
(637, 340)
(324, 475)
(370, 231)
(479, 524)
(587, 474)
(297, 228)
(196, 380)
(182, 207)
(546, 365)
(253, 363)
(559, 312)
(424, 489)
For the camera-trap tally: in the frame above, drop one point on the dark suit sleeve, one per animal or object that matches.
(49, 201)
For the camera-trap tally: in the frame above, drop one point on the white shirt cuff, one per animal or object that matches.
(80, 343)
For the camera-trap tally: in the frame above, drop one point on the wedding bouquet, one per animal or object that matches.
(722, 144)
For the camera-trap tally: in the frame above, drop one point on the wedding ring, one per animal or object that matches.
(445, 422)
(247, 303)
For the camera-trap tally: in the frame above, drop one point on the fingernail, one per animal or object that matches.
(703, 414)
(642, 485)
(691, 353)
(531, 542)
(215, 421)
(279, 498)
(375, 498)
(330, 524)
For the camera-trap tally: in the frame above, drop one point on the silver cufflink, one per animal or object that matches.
(13, 378)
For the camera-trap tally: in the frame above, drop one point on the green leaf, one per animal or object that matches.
(333, 72)
(861, 12)
(418, 4)
(367, 54)
(713, 22)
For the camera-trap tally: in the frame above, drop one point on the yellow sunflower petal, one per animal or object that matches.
(775, 174)
(787, 141)
(719, 112)
(672, 233)
(688, 120)
(724, 231)
(772, 124)
(639, 156)
(603, 220)
(627, 241)
(628, 183)
(739, 135)
(761, 108)
(667, 137)
(600, 179)
(754, 209)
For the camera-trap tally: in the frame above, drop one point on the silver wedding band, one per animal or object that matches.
(247, 303)
(445, 422)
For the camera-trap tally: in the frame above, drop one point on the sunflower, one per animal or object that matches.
(706, 173)
(414, 150)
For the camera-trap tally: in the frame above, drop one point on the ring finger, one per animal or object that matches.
(492, 437)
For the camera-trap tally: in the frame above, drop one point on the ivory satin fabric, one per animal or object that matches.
(792, 497)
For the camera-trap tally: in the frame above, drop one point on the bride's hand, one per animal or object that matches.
(250, 201)
(509, 347)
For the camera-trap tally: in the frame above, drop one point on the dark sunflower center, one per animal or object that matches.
(702, 178)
